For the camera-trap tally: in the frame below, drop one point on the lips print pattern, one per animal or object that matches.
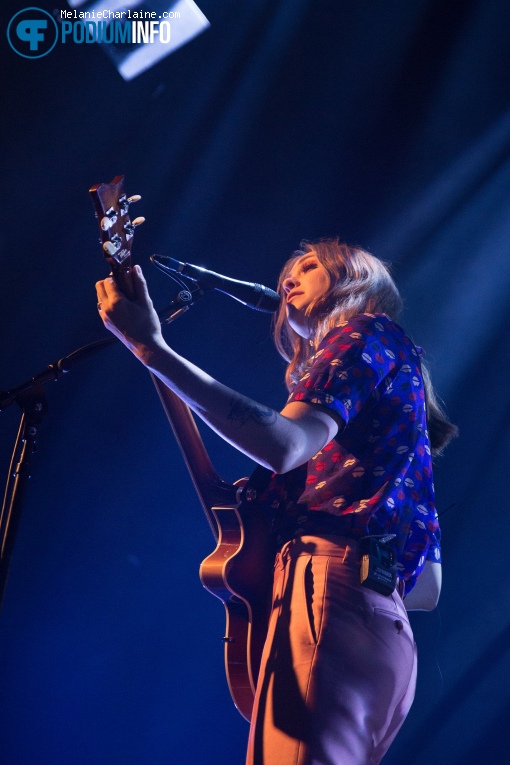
(376, 475)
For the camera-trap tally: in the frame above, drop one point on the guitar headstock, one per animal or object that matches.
(117, 230)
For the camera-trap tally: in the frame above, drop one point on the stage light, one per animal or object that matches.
(136, 35)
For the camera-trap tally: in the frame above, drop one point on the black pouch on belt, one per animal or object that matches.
(378, 565)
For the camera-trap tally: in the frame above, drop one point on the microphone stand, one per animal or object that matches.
(31, 398)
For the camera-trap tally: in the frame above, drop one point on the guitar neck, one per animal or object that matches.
(111, 204)
(211, 489)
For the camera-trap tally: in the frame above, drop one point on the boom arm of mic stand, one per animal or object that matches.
(54, 371)
(31, 398)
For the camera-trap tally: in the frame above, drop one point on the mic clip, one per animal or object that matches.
(254, 296)
(187, 296)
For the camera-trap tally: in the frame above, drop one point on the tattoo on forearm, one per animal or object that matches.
(241, 411)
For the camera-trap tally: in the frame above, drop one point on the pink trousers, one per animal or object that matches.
(338, 671)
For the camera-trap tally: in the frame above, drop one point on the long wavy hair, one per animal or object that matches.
(358, 283)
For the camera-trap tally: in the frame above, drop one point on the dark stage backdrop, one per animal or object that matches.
(386, 123)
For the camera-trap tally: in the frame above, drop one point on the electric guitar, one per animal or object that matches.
(239, 570)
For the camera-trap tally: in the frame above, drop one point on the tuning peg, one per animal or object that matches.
(125, 202)
(110, 248)
(129, 227)
(110, 217)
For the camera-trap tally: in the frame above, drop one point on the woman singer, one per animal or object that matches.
(349, 470)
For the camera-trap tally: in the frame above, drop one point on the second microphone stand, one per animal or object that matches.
(31, 398)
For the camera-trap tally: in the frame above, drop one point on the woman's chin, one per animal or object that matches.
(298, 321)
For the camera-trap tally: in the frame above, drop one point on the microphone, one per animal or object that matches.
(252, 295)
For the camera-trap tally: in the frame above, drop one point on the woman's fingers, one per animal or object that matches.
(111, 289)
(109, 293)
(109, 296)
(135, 323)
(100, 291)
(141, 290)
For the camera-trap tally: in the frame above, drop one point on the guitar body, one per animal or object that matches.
(240, 570)
(240, 573)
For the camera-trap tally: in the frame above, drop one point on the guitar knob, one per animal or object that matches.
(138, 221)
(134, 198)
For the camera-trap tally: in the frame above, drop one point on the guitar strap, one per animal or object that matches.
(257, 484)
(256, 494)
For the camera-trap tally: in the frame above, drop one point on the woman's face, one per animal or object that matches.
(307, 281)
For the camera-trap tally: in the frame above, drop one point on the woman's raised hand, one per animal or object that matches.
(134, 322)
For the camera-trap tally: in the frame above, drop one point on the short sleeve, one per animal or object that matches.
(434, 551)
(351, 362)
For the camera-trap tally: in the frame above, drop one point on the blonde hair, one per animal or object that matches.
(358, 283)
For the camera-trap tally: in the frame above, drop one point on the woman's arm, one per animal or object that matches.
(425, 594)
(278, 441)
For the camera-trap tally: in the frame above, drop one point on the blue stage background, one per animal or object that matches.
(387, 124)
